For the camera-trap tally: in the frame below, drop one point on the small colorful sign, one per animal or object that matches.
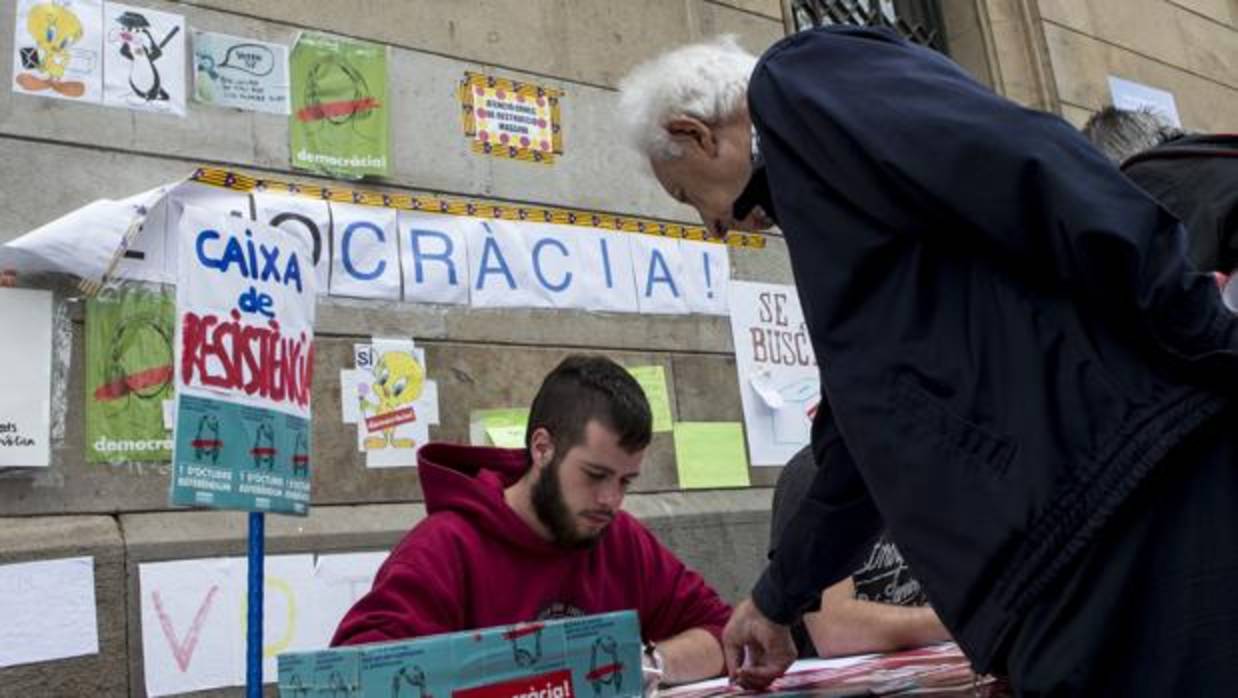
(510, 119)
(244, 366)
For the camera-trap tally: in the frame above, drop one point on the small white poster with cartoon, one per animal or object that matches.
(390, 400)
(143, 59)
(230, 71)
(779, 383)
(58, 49)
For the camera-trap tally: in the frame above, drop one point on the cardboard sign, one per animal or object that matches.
(597, 655)
(244, 358)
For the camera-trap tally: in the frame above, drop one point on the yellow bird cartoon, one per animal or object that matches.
(54, 29)
(399, 380)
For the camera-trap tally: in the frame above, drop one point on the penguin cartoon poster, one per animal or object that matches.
(58, 49)
(143, 59)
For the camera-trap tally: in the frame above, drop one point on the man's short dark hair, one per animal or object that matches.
(590, 387)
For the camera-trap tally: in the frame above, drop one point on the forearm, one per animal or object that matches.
(846, 625)
(692, 655)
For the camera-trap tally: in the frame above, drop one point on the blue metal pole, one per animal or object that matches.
(253, 644)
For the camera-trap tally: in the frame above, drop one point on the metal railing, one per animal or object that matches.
(918, 21)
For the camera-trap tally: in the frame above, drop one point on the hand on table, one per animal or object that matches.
(757, 649)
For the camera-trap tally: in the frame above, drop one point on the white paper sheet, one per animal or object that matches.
(502, 275)
(48, 609)
(239, 72)
(287, 611)
(366, 255)
(306, 218)
(707, 276)
(779, 383)
(657, 265)
(143, 59)
(191, 615)
(607, 281)
(58, 49)
(339, 581)
(1128, 94)
(435, 260)
(26, 378)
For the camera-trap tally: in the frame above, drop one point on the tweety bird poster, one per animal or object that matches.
(392, 402)
(58, 49)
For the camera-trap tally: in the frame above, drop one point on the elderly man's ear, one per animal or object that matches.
(690, 132)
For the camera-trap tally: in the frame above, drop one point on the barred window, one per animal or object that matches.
(916, 20)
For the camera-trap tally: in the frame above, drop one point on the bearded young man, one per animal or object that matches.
(518, 535)
(1031, 387)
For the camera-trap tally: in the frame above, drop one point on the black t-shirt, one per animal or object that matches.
(884, 576)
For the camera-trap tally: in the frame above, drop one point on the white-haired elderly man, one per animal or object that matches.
(1033, 388)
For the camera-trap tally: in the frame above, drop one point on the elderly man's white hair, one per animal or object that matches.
(708, 81)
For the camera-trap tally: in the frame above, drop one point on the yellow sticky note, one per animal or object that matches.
(506, 436)
(711, 454)
(652, 380)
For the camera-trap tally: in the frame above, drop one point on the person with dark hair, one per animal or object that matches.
(1194, 176)
(881, 607)
(530, 534)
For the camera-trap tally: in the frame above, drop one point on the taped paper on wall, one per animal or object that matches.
(48, 609)
(26, 374)
(144, 59)
(58, 49)
(779, 383)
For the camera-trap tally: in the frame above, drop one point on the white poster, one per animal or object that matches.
(309, 219)
(779, 383)
(143, 59)
(502, 275)
(707, 277)
(191, 617)
(607, 284)
(375, 252)
(26, 378)
(152, 254)
(194, 620)
(556, 264)
(395, 402)
(48, 609)
(1134, 96)
(366, 255)
(657, 265)
(58, 49)
(434, 256)
(287, 611)
(230, 71)
(339, 582)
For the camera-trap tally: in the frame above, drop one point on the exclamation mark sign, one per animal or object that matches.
(709, 284)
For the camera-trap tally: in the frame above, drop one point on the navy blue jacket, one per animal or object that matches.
(1010, 336)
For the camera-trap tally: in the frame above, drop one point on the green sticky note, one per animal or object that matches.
(506, 436)
(711, 454)
(652, 380)
(513, 417)
(505, 425)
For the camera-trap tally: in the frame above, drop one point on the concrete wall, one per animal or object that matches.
(62, 155)
(1188, 47)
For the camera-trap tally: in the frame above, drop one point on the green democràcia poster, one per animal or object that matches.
(129, 364)
(339, 121)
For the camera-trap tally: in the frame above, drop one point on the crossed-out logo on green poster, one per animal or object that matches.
(129, 354)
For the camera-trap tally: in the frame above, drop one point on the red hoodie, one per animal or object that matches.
(473, 563)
